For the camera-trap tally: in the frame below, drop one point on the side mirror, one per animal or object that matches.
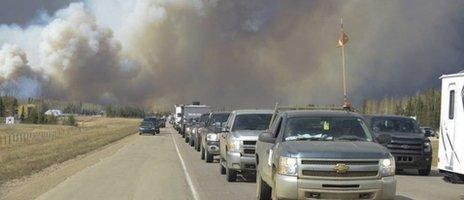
(266, 137)
(383, 139)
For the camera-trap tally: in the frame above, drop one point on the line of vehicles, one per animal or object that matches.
(314, 153)
(310, 153)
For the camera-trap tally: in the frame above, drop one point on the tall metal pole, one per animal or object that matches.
(346, 103)
(344, 73)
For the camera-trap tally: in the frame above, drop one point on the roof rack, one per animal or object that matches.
(278, 108)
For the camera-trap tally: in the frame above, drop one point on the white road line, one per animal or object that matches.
(187, 175)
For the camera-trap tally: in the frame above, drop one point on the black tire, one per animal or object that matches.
(202, 153)
(223, 169)
(197, 146)
(140, 133)
(158, 131)
(425, 172)
(186, 139)
(231, 175)
(264, 191)
(192, 142)
(209, 157)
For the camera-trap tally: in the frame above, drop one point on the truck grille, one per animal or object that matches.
(405, 146)
(248, 142)
(327, 169)
(248, 147)
(335, 174)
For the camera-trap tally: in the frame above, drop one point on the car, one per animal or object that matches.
(209, 135)
(323, 154)
(428, 131)
(155, 121)
(193, 135)
(410, 147)
(189, 125)
(147, 127)
(237, 141)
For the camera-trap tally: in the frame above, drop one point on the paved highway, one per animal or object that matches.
(164, 167)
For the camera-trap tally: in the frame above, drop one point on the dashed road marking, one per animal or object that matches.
(187, 175)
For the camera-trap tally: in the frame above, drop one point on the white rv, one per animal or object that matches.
(178, 114)
(451, 144)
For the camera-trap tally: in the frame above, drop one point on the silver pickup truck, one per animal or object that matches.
(238, 139)
(323, 155)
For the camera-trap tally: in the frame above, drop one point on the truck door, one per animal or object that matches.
(449, 126)
(266, 160)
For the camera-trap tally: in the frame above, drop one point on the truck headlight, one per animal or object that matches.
(427, 147)
(287, 166)
(212, 137)
(387, 166)
(234, 145)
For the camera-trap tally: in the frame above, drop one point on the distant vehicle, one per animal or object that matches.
(451, 143)
(193, 136)
(162, 122)
(177, 117)
(148, 127)
(155, 122)
(189, 112)
(189, 127)
(323, 155)
(208, 136)
(411, 147)
(428, 131)
(238, 139)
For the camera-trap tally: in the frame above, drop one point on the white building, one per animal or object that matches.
(53, 112)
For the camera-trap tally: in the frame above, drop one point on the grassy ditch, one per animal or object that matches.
(51, 144)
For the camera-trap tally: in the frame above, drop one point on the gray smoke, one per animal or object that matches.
(248, 53)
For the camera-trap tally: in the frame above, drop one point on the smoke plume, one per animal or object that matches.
(240, 53)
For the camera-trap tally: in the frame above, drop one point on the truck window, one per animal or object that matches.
(251, 122)
(451, 105)
(462, 96)
(277, 128)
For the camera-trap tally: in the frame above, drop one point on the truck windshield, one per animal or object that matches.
(391, 124)
(147, 123)
(252, 122)
(326, 129)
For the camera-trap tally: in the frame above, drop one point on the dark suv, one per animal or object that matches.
(410, 147)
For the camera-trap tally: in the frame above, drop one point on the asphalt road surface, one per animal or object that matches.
(165, 167)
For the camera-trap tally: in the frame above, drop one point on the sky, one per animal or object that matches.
(241, 53)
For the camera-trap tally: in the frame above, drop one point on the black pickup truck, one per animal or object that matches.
(410, 147)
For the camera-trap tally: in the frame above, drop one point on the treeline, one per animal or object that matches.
(125, 111)
(425, 106)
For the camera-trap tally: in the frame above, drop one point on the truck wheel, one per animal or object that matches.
(231, 175)
(191, 142)
(202, 153)
(197, 146)
(223, 169)
(186, 139)
(209, 157)
(264, 191)
(425, 172)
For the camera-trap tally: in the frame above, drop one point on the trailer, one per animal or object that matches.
(451, 143)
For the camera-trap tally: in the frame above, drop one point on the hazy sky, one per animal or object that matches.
(248, 53)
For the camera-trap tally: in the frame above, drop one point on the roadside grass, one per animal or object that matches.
(24, 159)
(435, 152)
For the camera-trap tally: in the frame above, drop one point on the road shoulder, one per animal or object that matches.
(33, 186)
